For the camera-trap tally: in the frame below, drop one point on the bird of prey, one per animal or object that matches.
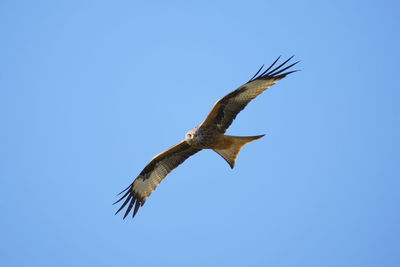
(209, 135)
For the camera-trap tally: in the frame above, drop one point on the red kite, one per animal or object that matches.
(209, 135)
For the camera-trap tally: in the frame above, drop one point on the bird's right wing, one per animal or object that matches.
(226, 109)
(152, 175)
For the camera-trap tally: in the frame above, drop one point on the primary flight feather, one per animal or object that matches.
(209, 135)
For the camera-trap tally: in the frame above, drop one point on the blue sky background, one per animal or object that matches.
(90, 91)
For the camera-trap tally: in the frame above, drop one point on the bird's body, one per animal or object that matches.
(209, 135)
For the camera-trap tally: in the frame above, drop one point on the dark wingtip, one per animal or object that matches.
(134, 201)
(276, 72)
(256, 73)
(283, 75)
(124, 189)
(138, 204)
(121, 197)
(124, 204)
(130, 206)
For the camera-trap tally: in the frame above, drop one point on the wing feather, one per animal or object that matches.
(227, 108)
(152, 175)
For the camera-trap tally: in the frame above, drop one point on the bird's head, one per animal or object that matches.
(191, 136)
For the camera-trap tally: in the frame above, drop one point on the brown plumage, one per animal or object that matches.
(209, 135)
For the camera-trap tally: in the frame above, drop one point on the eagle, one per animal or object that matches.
(208, 135)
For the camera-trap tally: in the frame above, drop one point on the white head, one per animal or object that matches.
(191, 136)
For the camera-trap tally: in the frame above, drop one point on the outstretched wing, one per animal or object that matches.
(152, 175)
(226, 109)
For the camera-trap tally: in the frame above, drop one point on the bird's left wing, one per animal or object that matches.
(152, 175)
(226, 109)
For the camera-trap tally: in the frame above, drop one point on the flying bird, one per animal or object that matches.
(209, 135)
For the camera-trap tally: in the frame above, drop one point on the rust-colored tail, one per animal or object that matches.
(234, 144)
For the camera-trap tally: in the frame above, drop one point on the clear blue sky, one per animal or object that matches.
(90, 91)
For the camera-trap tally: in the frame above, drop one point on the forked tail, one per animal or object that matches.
(233, 145)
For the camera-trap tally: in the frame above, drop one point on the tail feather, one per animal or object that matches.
(235, 144)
